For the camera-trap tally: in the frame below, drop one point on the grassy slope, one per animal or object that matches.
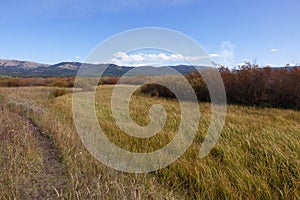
(257, 155)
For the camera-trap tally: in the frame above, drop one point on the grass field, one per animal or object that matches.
(256, 157)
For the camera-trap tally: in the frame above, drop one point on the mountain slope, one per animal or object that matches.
(31, 69)
(20, 64)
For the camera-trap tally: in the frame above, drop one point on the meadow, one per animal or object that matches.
(256, 157)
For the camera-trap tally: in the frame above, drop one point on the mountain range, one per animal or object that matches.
(18, 68)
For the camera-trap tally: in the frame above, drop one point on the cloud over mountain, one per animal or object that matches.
(142, 59)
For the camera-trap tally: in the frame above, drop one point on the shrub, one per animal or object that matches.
(247, 85)
(251, 85)
(59, 92)
(109, 80)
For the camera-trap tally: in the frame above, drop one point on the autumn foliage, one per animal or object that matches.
(247, 85)
(270, 87)
(22, 82)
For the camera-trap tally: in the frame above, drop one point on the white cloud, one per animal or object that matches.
(241, 64)
(270, 65)
(159, 59)
(78, 57)
(274, 50)
(227, 54)
(201, 60)
(214, 55)
(142, 59)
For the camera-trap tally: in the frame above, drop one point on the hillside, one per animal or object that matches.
(17, 68)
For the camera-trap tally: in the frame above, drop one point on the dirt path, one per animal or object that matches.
(53, 179)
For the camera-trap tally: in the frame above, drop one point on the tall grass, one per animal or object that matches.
(20, 160)
(256, 157)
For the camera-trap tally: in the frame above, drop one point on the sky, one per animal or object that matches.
(265, 32)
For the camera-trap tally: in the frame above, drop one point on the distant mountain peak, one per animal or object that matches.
(20, 64)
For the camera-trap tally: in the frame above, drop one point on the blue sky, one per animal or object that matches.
(67, 30)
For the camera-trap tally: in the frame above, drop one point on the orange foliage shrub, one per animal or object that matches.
(247, 85)
(22, 82)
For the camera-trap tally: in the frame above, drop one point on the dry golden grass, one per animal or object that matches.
(20, 160)
(256, 157)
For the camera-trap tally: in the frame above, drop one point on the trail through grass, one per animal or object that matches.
(30, 163)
